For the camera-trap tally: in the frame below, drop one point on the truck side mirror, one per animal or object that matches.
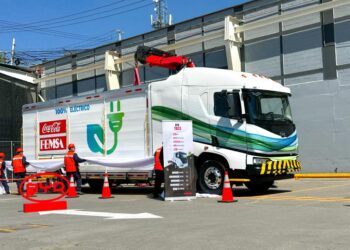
(234, 104)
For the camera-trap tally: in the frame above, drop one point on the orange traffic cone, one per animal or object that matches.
(72, 192)
(106, 192)
(227, 191)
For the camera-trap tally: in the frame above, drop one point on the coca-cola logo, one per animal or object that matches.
(53, 127)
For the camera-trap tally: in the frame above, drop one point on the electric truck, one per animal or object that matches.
(242, 123)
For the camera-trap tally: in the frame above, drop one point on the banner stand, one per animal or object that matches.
(179, 172)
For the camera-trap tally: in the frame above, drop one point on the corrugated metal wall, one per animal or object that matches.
(298, 53)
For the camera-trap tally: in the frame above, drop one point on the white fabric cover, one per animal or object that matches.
(123, 164)
(2, 189)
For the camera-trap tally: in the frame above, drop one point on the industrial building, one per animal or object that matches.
(16, 89)
(303, 44)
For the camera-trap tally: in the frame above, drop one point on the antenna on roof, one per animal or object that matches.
(161, 18)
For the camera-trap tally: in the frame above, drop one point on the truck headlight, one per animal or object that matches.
(259, 161)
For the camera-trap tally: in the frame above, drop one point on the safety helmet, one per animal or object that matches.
(19, 150)
(71, 146)
(2, 155)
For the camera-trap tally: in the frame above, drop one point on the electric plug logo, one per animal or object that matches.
(96, 133)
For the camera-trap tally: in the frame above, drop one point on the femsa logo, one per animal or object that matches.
(57, 143)
(53, 135)
(44, 183)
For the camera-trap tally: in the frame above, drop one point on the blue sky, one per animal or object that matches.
(15, 13)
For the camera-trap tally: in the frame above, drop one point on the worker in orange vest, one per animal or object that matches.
(19, 164)
(159, 171)
(2, 173)
(71, 163)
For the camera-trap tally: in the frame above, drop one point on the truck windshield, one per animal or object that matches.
(270, 110)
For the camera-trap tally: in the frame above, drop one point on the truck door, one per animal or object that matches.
(196, 104)
(228, 127)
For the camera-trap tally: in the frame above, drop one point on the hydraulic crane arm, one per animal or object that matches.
(156, 57)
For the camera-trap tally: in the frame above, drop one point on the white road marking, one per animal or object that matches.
(11, 199)
(111, 216)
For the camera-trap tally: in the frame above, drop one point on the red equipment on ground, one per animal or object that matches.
(30, 189)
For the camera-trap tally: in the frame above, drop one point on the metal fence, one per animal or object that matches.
(9, 148)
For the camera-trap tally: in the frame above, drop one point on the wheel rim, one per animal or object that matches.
(213, 177)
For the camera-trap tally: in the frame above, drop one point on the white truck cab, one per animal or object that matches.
(241, 122)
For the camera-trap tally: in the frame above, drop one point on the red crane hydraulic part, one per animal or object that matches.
(155, 57)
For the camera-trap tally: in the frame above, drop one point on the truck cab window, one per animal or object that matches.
(227, 104)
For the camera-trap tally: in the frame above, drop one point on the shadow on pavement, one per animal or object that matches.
(122, 190)
(244, 192)
(129, 190)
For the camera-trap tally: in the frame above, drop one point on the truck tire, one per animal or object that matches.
(211, 177)
(96, 185)
(259, 188)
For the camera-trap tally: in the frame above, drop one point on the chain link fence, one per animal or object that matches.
(9, 148)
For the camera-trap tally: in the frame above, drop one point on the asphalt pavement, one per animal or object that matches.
(297, 214)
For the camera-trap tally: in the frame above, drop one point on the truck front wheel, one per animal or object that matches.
(211, 177)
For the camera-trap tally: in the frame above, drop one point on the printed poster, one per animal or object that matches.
(179, 174)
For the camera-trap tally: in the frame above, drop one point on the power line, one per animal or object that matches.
(76, 13)
(97, 13)
(31, 57)
(107, 36)
(103, 17)
(35, 56)
(70, 21)
(47, 31)
(81, 12)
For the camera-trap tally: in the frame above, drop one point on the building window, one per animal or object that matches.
(154, 73)
(101, 84)
(65, 90)
(86, 86)
(216, 59)
(49, 93)
(197, 59)
(128, 77)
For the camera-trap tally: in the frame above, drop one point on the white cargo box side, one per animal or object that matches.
(113, 124)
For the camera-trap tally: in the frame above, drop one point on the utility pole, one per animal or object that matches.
(3, 57)
(119, 34)
(13, 51)
(161, 18)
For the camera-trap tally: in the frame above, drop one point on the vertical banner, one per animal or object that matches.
(179, 174)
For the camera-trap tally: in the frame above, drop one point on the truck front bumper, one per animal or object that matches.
(275, 168)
